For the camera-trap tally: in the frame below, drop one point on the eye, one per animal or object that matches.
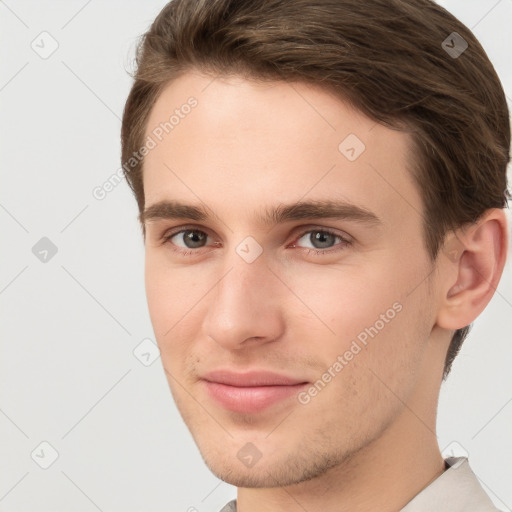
(187, 238)
(188, 241)
(321, 239)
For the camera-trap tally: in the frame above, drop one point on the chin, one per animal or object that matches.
(278, 470)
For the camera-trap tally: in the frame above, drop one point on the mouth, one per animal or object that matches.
(250, 392)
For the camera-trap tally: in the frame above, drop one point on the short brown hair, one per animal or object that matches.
(388, 58)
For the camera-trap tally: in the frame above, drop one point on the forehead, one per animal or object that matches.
(241, 144)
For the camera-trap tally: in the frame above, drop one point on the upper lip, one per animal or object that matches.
(251, 378)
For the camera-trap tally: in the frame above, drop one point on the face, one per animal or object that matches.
(286, 274)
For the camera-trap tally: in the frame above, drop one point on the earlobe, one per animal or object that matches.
(474, 258)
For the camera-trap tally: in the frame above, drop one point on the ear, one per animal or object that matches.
(472, 260)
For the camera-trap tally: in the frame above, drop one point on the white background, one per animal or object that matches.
(69, 326)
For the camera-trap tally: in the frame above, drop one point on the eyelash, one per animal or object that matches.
(344, 242)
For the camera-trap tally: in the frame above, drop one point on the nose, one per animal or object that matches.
(244, 307)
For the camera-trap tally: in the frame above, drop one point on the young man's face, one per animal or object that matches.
(339, 308)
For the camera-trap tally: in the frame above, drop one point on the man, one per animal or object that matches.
(321, 189)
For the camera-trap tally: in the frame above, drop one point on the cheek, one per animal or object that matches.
(171, 296)
(346, 301)
(159, 296)
(366, 314)
(170, 291)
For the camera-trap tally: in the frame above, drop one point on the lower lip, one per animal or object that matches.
(250, 400)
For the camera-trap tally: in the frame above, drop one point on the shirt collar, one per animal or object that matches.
(455, 490)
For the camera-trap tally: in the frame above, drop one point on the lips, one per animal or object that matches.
(250, 392)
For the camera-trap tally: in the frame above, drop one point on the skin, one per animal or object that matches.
(367, 440)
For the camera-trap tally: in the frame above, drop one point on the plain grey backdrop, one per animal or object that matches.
(87, 421)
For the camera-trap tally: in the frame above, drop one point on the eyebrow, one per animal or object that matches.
(319, 209)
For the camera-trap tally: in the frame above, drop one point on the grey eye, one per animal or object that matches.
(191, 238)
(320, 239)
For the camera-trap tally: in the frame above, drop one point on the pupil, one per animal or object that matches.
(194, 239)
(322, 238)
